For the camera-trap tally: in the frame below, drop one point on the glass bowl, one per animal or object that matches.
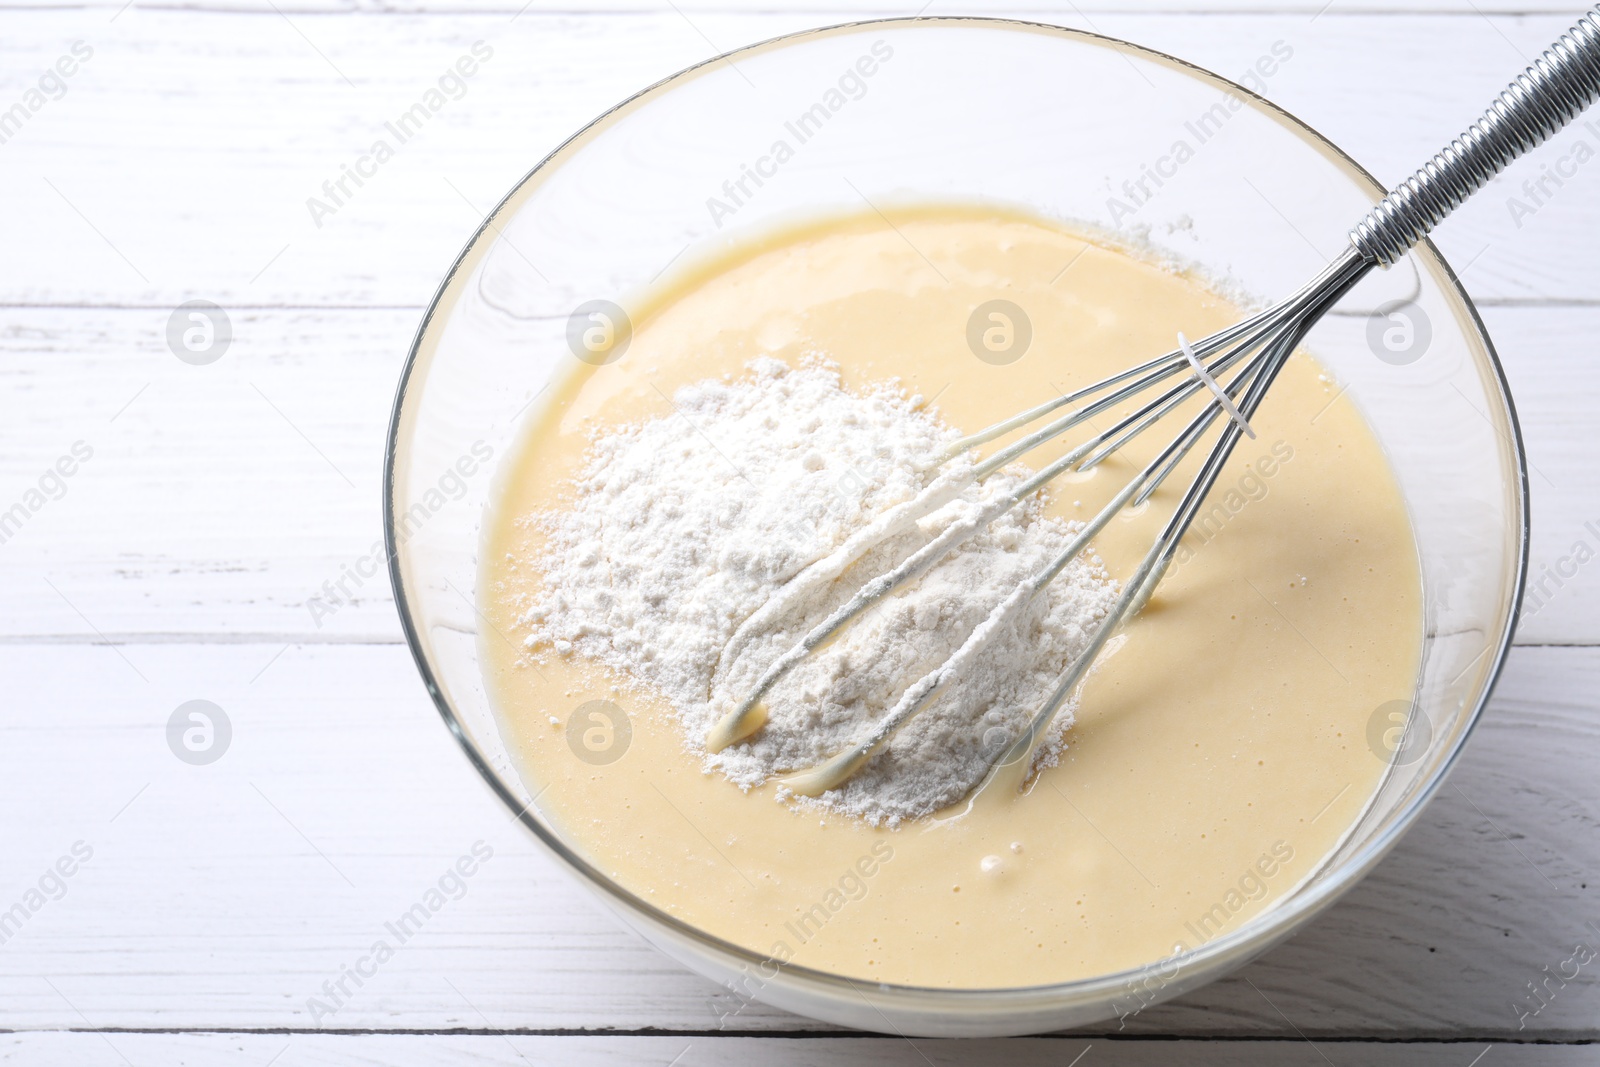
(1068, 125)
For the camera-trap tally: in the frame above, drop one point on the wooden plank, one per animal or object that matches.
(179, 161)
(112, 1050)
(223, 896)
(157, 534)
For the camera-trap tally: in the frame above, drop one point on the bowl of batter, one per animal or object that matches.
(730, 322)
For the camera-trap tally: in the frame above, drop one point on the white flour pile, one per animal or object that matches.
(683, 526)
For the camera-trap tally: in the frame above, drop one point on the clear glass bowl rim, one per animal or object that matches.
(1256, 935)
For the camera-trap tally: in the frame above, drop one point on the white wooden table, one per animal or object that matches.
(175, 563)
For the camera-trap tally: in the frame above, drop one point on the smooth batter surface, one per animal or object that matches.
(1220, 751)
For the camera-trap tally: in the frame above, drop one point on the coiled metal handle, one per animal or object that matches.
(1544, 98)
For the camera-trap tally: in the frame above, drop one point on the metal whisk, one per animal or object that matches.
(1558, 86)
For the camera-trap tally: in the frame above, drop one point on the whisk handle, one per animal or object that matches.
(1553, 91)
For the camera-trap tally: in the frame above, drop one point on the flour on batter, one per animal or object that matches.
(683, 526)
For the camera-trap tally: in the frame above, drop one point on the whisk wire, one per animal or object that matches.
(833, 771)
(748, 717)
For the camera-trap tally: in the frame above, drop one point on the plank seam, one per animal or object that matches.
(305, 641)
(1456, 1038)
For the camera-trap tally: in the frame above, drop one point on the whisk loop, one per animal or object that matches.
(1211, 383)
(1549, 94)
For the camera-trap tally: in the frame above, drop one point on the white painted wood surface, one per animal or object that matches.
(218, 499)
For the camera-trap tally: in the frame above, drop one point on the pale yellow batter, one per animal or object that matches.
(1220, 753)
